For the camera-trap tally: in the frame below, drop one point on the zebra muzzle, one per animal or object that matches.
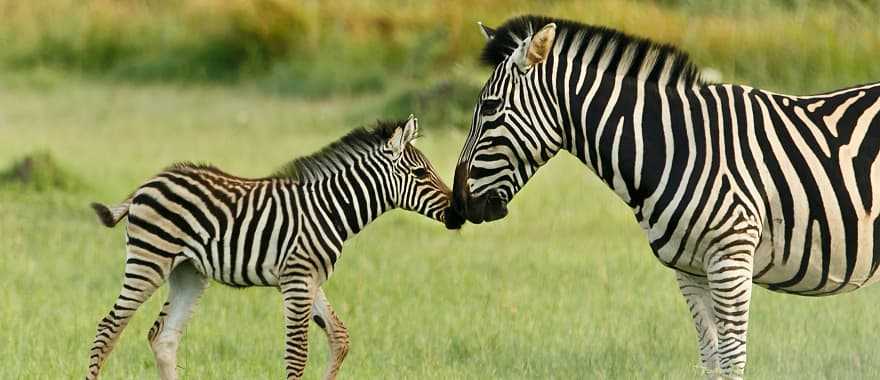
(496, 208)
(452, 219)
(486, 208)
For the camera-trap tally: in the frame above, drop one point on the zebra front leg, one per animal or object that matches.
(337, 334)
(298, 292)
(143, 275)
(699, 300)
(187, 286)
(730, 280)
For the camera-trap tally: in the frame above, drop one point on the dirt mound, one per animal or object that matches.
(39, 171)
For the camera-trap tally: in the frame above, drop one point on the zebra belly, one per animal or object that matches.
(814, 267)
(822, 240)
(228, 266)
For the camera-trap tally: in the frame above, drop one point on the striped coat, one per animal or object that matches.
(732, 185)
(192, 223)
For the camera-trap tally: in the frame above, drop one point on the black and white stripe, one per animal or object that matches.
(195, 222)
(732, 185)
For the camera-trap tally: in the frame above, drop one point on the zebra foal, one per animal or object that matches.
(192, 223)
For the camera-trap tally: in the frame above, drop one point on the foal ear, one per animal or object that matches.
(487, 32)
(536, 48)
(403, 135)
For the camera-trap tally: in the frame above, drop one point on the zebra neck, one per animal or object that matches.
(631, 134)
(346, 202)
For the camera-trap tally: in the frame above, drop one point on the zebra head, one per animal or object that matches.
(513, 132)
(419, 187)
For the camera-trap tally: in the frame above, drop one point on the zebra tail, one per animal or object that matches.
(109, 217)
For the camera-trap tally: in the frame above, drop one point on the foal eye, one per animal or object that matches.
(490, 107)
(420, 172)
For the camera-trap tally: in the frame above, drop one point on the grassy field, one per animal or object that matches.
(565, 287)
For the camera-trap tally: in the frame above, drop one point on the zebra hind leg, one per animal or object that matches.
(730, 280)
(187, 285)
(699, 301)
(298, 292)
(337, 334)
(143, 275)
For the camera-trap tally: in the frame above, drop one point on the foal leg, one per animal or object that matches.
(298, 292)
(337, 334)
(699, 300)
(144, 273)
(187, 285)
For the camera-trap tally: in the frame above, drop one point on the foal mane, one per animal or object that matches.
(338, 154)
(330, 159)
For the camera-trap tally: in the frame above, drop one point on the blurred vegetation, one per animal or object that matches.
(446, 101)
(39, 172)
(415, 52)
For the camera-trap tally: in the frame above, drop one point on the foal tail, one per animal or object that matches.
(110, 216)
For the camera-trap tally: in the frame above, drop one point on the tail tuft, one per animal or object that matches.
(104, 214)
(110, 217)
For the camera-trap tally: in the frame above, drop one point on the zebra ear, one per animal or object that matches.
(488, 33)
(536, 48)
(404, 135)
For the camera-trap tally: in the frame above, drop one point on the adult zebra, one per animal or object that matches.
(732, 185)
(194, 222)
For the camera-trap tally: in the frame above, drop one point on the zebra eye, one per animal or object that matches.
(490, 107)
(420, 172)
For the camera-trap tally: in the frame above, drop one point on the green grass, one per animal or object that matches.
(565, 287)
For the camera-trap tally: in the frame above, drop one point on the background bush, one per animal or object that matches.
(317, 49)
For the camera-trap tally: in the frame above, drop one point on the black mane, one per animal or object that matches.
(682, 70)
(330, 158)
